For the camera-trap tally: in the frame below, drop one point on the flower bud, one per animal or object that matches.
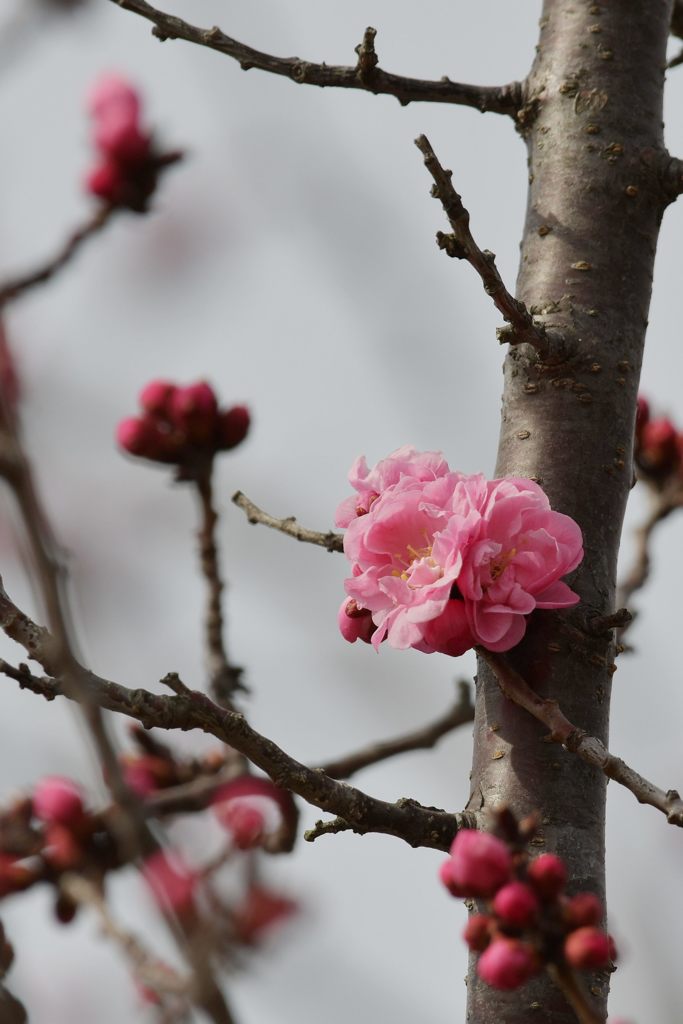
(480, 863)
(233, 426)
(105, 181)
(244, 821)
(516, 905)
(642, 414)
(118, 137)
(155, 397)
(659, 446)
(171, 881)
(112, 91)
(58, 800)
(261, 910)
(589, 948)
(477, 932)
(134, 435)
(62, 849)
(446, 877)
(355, 623)
(583, 909)
(507, 964)
(548, 875)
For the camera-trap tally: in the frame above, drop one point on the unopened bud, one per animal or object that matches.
(233, 426)
(507, 964)
(480, 863)
(477, 932)
(548, 875)
(589, 948)
(58, 800)
(516, 905)
(583, 909)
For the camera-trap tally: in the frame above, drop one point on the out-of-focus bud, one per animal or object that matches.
(172, 883)
(507, 964)
(548, 875)
(477, 932)
(588, 949)
(58, 800)
(516, 905)
(261, 911)
(62, 849)
(156, 397)
(480, 863)
(233, 426)
(583, 909)
(659, 446)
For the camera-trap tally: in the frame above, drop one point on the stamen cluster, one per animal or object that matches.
(529, 921)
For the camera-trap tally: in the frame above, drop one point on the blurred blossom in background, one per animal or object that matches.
(290, 261)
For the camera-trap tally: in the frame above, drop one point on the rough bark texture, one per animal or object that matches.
(597, 164)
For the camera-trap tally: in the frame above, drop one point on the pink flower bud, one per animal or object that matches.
(642, 413)
(507, 964)
(156, 396)
(111, 90)
(58, 800)
(355, 623)
(480, 863)
(446, 877)
(105, 181)
(244, 821)
(62, 849)
(477, 932)
(516, 905)
(194, 409)
(548, 875)
(583, 909)
(261, 911)
(233, 426)
(134, 435)
(171, 881)
(589, 948)
(140, 779)
(118, 137)
(659, 445)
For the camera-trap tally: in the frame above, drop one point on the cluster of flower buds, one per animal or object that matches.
(182, 426)
(529, 920)
(658, 449)
(128, 165)
(49, 833)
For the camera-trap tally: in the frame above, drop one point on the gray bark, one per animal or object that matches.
(597, 191)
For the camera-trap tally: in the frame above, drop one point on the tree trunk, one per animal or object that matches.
(597, 167)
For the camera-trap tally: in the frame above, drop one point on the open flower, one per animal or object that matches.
(444, 561)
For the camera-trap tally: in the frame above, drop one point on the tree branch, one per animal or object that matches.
(330, 540)
(422, 739)
(190, 709)
(588, 748)
(663, 505)
(461, 245)
(366, 75)
(16, 286)
(225, 678)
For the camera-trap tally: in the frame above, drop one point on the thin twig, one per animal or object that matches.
(162, 978)
(407, 820)
(506, 99)
(588, 748)
(16, 286)
(224, 677)
(567, 981)
(330, 540)
(461, 245)
(664, 503)
(421, 739)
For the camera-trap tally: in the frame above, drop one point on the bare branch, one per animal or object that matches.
(461, 245)
(665, 502)
(366, 75)
(421, 739)
(588, 748)
(330, 540)
(16, 286)
(225, 678)
(566, 980)
(407, 820)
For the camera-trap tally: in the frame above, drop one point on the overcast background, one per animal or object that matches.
(291, 261)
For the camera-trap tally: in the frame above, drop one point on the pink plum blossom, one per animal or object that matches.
(444, 561)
